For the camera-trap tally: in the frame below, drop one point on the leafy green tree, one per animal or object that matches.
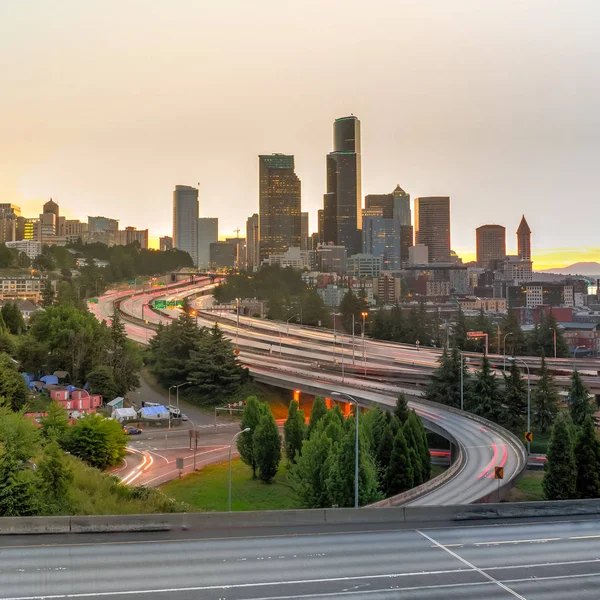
(101, 381)
(515, 399)
(97, 441)
(314, 310)
(560, 480)
(333, 424)
(579, 400)
(485, 398)
(351, 305)
(48, 294)
(401, 410)
(545, 400)
(55, 424)
(267, 447)
(55, 479)
(43, 262)
(341, 481)
(587, 459)
(13, 389)
(399, 475)
(13, 319)
(293, 431)
(251, 417)
(318, 411)
(418, 326)
(32, 355)
(309, 475)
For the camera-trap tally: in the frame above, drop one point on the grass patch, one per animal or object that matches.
(437, 470)
(540, 442)
(528, 488)
(207, 490)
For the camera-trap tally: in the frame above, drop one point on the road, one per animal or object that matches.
(533, 561)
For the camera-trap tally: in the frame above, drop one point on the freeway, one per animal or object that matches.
(549, 560)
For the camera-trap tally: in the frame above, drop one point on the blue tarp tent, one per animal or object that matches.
(49, 379)
(154, 412)
(29, 377)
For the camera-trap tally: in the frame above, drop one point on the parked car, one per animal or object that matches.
(184, 417)
(131, 430)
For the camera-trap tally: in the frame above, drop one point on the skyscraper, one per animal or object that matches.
(185, 220)
(524, 240)
(491, 244)
(304, 245)
(383, 202)
(342, 219)
(381, 238)
(252, 243)
(432, 226)
(402, 206)
(208, 232)
(279, 204)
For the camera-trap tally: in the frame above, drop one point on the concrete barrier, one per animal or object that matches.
(123, 523)
(34, 525)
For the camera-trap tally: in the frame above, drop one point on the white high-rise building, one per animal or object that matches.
(185, 220)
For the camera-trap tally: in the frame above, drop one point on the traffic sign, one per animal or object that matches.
(171, 304)
(93, 301)
(498, 472)
(528, 436)
(236, 351)
(179, 303)
(475, 334)
(179, 463)
(160, 304)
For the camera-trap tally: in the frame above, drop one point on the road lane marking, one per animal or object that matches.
(538, 541)
(472, 566)
(584, 537)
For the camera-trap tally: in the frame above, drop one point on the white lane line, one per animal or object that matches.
(584, 537)
(472, 566)
(537, 541)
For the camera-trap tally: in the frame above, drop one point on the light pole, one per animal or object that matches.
(554, 336)
(288, 324)
(230, 447)
(574, 353)
(515, 359)
(237, 327)
(177, 390)
(505, 336)
(353, 339)
(364, 315)
(352, 399)
(462, 382)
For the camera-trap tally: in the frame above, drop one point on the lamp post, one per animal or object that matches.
(352, 339)
(229, 484)
(352, 399)
(237, 326)
(554, 336)
(505, 336)
(574, 353)
(288, 324)
(177, 390)
(515, 359)
(462, 382)
(364, 315)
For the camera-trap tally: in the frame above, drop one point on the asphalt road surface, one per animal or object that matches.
(550, 560)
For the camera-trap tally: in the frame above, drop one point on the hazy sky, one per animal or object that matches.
(106, 105)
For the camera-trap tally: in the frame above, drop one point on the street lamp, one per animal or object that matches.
(574, 353)
(505, 336)
(364, 315)
(230, 447)
(554, 330)
(515, 359)
(288, 324)
(352, 399)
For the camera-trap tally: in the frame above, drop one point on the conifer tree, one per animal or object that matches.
(399, 475)
(267, 447)
(545, 400)
(293, 431)
(587, 458)
(515, 399)
(485, 398)
(579, 400)
(401, 410)
(318, 411)
(560, 480)
(251, 417)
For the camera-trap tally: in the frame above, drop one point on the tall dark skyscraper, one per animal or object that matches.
(432, 226)
(279, 205)
(524, 240)
(342, 218)
(185, 220)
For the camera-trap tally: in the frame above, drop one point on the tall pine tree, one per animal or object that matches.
(580, 406)
(293, 431)
(560, 480)
(587, 459)
(515, 399)
(545, 400)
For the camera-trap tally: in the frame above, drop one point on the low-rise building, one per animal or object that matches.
(364, 265)
(22, 287)
(30, 247)
(332, 295)
(294, 257)
(387, 289)
(26, 308)
(488, 305)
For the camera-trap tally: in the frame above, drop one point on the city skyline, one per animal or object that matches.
(440, 118)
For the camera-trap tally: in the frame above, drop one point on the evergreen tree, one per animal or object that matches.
(485, 398)
(55, 479)
(579, 400)
(444, 384)
(513, 338)
(560, 480)
(460, 330)
(422, 445)
(267, 447)
(399, 475)
(545, 400)
(253, 411)
(384, 452)
(401, 410)
(13, 319)
(293, 431)
(515, 399)
(333, 424)
(101, 381)
(418, 326)
(587, 459)
(399, 331)
(351, 305)
(318, 411)
(13, 389)
(55, 424)
(372, 425)
(48, 294)
(414, 444)
(314, 310)
(123, 357)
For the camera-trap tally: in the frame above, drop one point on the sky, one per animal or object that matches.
(106, 105)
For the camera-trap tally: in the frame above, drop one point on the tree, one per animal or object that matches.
(55, 424)
(485, 398)
(351, 306)
(459, 331)
(48, 294)
(418, 326)
(123, 357)
(579, 400)
(13, 389)
(545, 400)
(101, 381)
(587, 459)
(97, 441)
(13, 319)
(267, 447)
(444, 385)
(55, 479)
(372, 425)
(401, 410)
(384, 453)
(318, 411)
(251, 417)
(513, 338)
(399, 475)
(341, 479)
(314, 310)
(421, 444)
(293, 431)
(414, 444)
(560, 480)
(309, 475)
(515, 399)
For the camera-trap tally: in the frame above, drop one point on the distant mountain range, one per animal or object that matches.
(588, 269)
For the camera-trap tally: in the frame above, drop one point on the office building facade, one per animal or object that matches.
(165, 243)
(222, 255)
(279, 204)
(432, 226)
(491, 244)
(252, 243)
(381, 237)
(185, 220)
(304, 232)
(208, 233)
(524, 240)
(342, 220)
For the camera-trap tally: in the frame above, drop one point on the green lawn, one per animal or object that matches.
(528, 488)
(437, 470)
(207, 490)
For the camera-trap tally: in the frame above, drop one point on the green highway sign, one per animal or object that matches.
(160, 304)
(179, 303)
(131, 282)
(93, 300)
(171, 304)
